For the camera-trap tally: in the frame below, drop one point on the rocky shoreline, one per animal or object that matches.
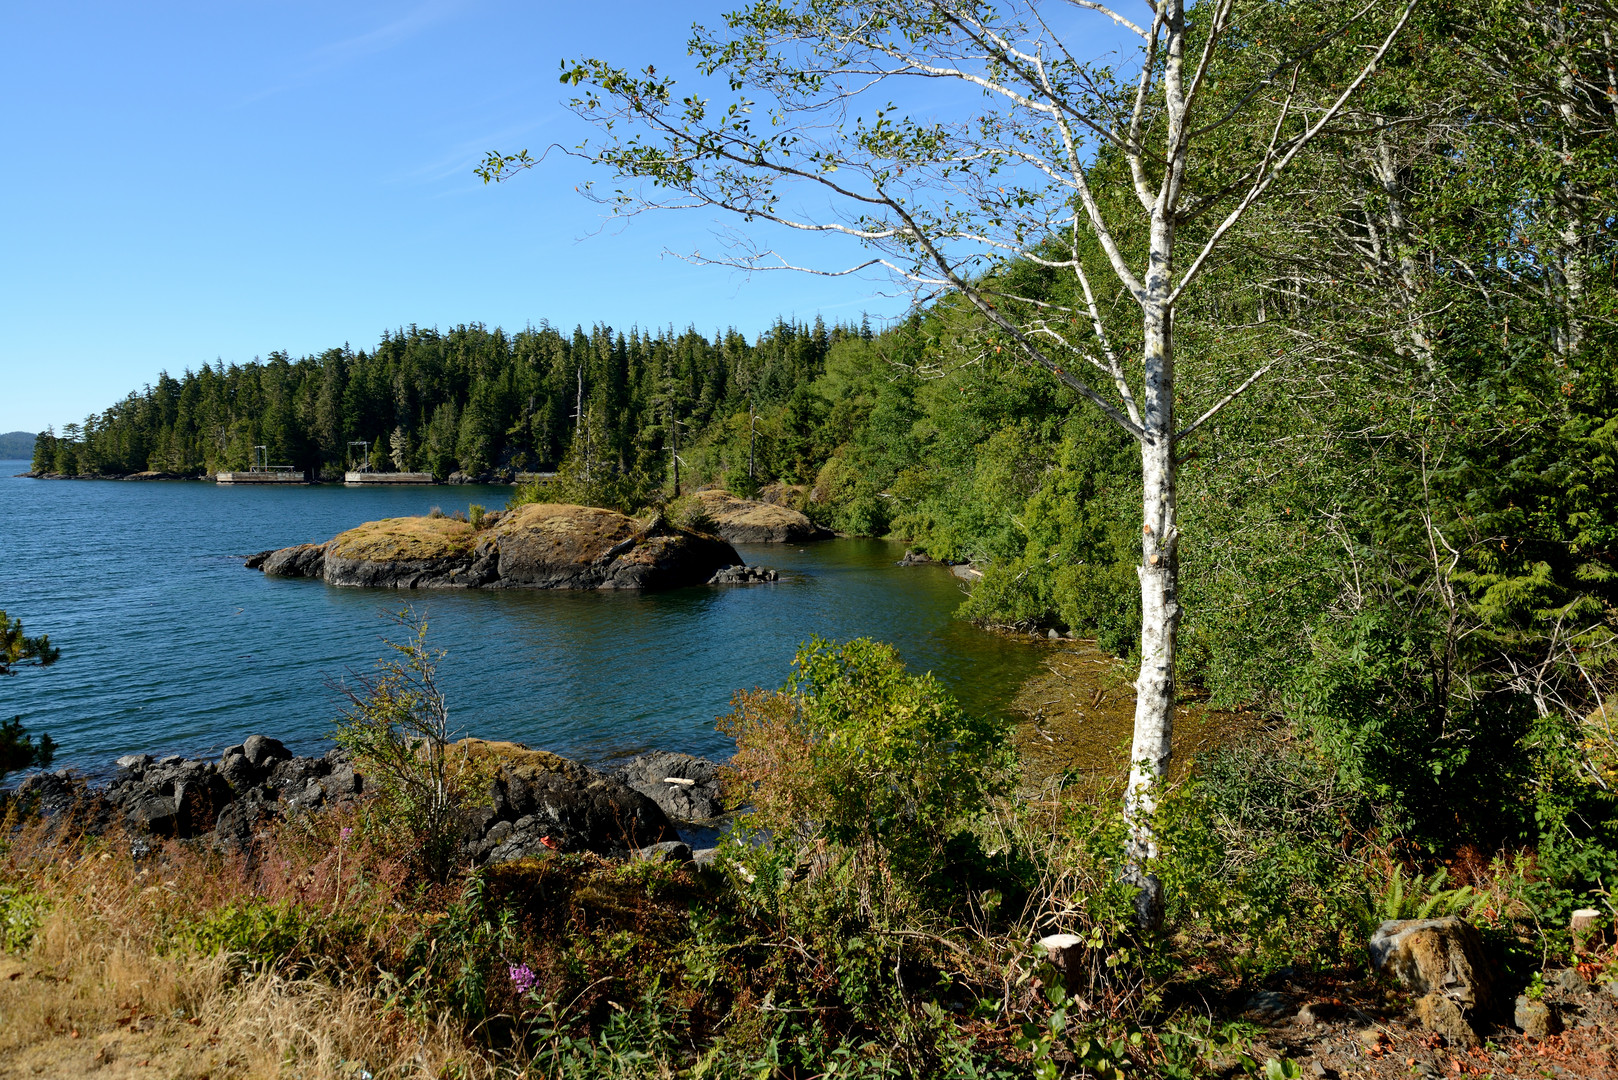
(535, 802)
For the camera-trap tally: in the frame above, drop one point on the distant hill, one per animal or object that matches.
(17, 444)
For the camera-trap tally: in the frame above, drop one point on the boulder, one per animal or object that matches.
(743, 575)
(304, 560)
(1441, 1014)
(669, 851)
(239, 773)
(746, 521)
(1436, 956)
(1534, 1018)
(686, 788)
(156, 814)
(261, 750)
(53, 792)
(537, 546)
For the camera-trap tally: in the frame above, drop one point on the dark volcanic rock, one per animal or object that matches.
(261, 750)
(743, 575)
(55, 792)
(685, 787)
(305, 560)
(543, 802)
(538, 802)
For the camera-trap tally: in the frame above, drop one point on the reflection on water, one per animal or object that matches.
(169, 645)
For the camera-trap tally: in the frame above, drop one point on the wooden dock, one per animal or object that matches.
(388, 478)
(259, 476)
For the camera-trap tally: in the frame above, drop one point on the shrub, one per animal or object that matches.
(857, 750)
(1255, 853)
(740, 484)
(436, 512)
(21, 913)
(254, 934)
(692, 513)
(397, 729)
(474, 514)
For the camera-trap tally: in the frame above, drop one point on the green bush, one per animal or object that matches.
(257, 934)
(397, 728)
(858, 751)
(741, 484)
(692, 513)
(21, 913)
(1254, 855)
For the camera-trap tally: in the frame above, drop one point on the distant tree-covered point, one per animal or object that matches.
(17, 444)
(472, 399)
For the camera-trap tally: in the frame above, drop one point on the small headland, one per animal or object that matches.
(147, 475)
(536, 546)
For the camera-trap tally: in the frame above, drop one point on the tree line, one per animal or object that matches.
(471, 399)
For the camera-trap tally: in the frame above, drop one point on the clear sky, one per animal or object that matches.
(189, 181)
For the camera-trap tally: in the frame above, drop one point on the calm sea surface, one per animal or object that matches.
(170, 646)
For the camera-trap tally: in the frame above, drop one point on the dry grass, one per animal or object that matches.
(727, 509)
(111, 986)
(123, 1012)
(404, 538)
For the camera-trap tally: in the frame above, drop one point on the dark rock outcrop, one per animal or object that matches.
(743, 575)
(537, 801)
(538, 546)
(541, 802)
(685, 787)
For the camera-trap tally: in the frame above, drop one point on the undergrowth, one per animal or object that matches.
(879, 916)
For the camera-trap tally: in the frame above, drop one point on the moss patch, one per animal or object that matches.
(403, 539)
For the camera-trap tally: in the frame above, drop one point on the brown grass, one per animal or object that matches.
(727, 509)
(107, 988)
(404, 538)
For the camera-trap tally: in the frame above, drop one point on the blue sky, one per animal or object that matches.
(186, 182)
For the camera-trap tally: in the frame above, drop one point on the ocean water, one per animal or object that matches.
(170, 646)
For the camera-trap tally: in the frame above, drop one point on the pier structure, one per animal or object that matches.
(366, 476)
(262, 472)
(282, 474)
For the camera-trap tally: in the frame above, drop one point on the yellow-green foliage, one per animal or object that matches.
(881, 760)
(22, 910)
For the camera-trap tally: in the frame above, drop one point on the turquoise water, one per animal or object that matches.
(170, 646)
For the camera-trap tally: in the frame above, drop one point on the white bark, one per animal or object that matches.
(1160, 614)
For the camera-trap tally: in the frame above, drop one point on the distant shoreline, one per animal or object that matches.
(209, 478)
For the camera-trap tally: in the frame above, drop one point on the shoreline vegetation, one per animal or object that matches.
(1309, 416)
(908, 888)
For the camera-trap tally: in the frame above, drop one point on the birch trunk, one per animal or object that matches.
(1159, 601)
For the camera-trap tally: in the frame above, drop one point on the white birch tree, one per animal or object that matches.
(1201, 120)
